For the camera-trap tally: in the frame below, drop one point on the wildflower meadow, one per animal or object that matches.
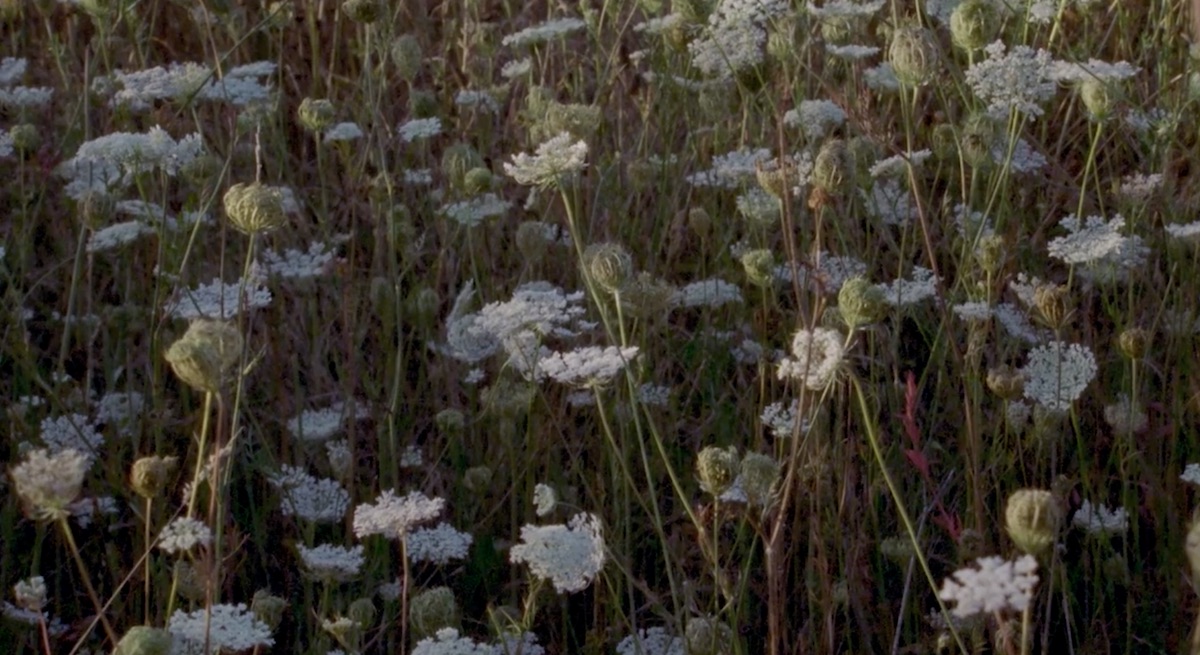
(599, 327)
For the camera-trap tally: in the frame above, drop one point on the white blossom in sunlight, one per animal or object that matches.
(317, 500)
(516, 68)
(241, 85)
(318, 425)
(730, 169)
(1057, 374)
(552, 162)
(137, 90)
(184, 534)
(897, 165)
(734, 38)
(331, 563)
(30, 594)
(843, 9)
(1087, 240)
(589, 366)
(1012, 80)
(851, 51)
(438, 545)
(543, 32)
(1137, 187)
(538, 307)
(225, 628)
(1099, 519)
(780, 419)
(393, 516)
(992, 585)
(817, 355)
(47, 483)
(815, 118)
(113, 160)
(1094, 69)
(569, 556)
(544, 499)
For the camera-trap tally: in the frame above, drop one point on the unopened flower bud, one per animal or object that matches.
(1098, 96)
(1053, 304)
(860, 302)
(707, 636)
(254, 208)
(316, 114)
(1134, 342)
(457, 161)
(144, 640)
(973, 24)
(25, 138)
(989, 253)
(717, 468)
(913, 55)
(96, 209)
(833, 169)
(268, 608)
(647, 297)
(477, 479)
(362, 11)
(975, 141)
(478, 180)
(1006, 382)
(150, 475)
(759, 265)
(531, 241)
(699, 221)
(609, 265)
(363, 612)
(206, 354)
(450, 422)
(759, 475)
(1031, 518)
(407, 57)
(432, 610)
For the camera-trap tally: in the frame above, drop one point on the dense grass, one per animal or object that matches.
(901, 469)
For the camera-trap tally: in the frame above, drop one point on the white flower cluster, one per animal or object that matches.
(651, 641)
(1099, 519)
(815, 118)
(438, 545)
(996, 585)
(731, 169)
(240, 85)
(780, 419)
(419, 129)
(1088, 240)
(840, 10)
(543, 32)
(447, 641)
(818, 356)
(1023, 159)
(116, 235)
(897, 165)
(218, 299)
(1057, 374)
(232, 628)
(903, 293)
(184, 534)
(552, 162)
(544, 499)
(473, 211)
(392, 516)
(114, 160)
(1094, 69)
(1191, 474)
(569, 556)
(1018, 80)
(1125, 416)
(331, 563)
(318, 500)
(713, 293)
(85, 510)
(6, 150)
(71, 432)
(347, 131)
(589, 366)
(734, 39)
(317, 425)
(297, 264)
(890, 201)
(1137, 187)
(19, 97)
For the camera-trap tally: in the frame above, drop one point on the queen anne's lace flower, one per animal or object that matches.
(569, 556)
(447, 641)
(712, 292)
(994, 585)
(331, 563)
(318, 500)
(1057, 373)
(543, 32)
(438, 545)
(1088, 240)
(818, 355)
(184, 534)
(47, 483)
(553, 161)
(393, 517)
(1097, 519)
(589, 366)
(225, 628)
(651, 641)
(1018, 80)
